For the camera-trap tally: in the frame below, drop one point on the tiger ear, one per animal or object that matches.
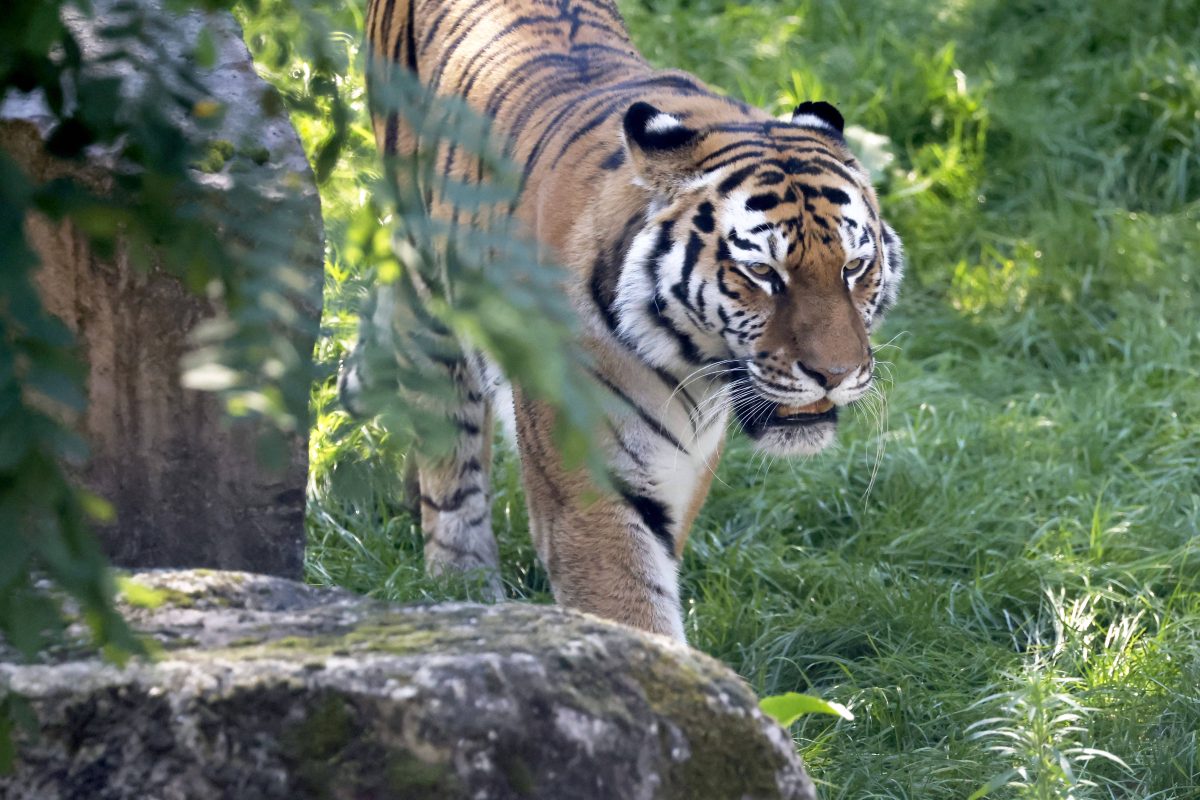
(821, 116)
(661, 148)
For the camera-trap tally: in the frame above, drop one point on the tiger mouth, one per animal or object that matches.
(820, 411)
(757, 415)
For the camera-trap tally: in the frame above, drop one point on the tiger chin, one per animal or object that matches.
(725, 265)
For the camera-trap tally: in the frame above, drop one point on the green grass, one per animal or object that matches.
(1000, 576)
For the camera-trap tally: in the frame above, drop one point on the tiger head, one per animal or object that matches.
(763, 254)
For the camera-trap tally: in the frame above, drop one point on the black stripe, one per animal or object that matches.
(836, 196)
(680, 83)
(655, 309)
(614, 160)
(672, 383)
(606, 271)
(835, 168)
(410, 38)
(391, 133)
(511, 65)
(657, 305)
(654, 424)
(721, 285)
(756, 155)
(534, 99)
(653, 512)
(485, 52)
(459, 552)
(690, 254)
(779, 386)
(762, 202)
(454, 502)
(720, 151)
(450, 45)
(725, 318)
(775, 130)
(677, 390)
(581, 131)
(437, 23)
(602, 299)
(744, 244)
(625, 448)
(735, 180)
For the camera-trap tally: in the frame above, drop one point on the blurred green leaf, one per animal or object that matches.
(139, 595)
(205, 52)
(787, 708)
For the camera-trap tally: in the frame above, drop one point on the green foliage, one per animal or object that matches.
(138, 99)
(513, 310)
(471, 280)
(42, 520)
(1041, 729)
(305, 50)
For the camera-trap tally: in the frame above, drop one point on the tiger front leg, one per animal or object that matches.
(603, 560)
(600, 551)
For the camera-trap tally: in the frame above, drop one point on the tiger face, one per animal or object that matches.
(763, 257)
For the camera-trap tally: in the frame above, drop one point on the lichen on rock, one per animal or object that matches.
(267, 688)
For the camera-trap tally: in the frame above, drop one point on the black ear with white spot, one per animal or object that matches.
(660, 146)
(820, 115)
(652, 130)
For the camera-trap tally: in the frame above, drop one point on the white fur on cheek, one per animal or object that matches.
(850, 235)
(893, 264)
(635, 289)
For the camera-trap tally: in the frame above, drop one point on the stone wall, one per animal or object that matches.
(266, 688)
(183, 477)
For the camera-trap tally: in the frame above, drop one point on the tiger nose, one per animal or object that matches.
(827, 376)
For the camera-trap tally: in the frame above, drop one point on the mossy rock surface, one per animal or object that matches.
(266, 688)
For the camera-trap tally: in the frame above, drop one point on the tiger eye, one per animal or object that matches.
(852, 269)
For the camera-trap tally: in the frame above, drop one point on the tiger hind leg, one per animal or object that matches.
(455, 496)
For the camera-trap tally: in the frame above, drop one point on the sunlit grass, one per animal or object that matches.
(1007, 597)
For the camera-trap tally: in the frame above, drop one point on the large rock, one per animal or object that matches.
(270, 689)
(185, 482)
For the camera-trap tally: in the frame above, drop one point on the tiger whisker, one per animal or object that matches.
(879, 406)
(698, 374)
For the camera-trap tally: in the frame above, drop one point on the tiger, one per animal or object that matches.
(724, 265)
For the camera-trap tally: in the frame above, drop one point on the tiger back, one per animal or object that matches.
(725, 265)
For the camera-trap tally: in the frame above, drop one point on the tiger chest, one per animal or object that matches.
(668, 458)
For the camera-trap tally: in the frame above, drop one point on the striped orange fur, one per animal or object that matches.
(725, 263)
